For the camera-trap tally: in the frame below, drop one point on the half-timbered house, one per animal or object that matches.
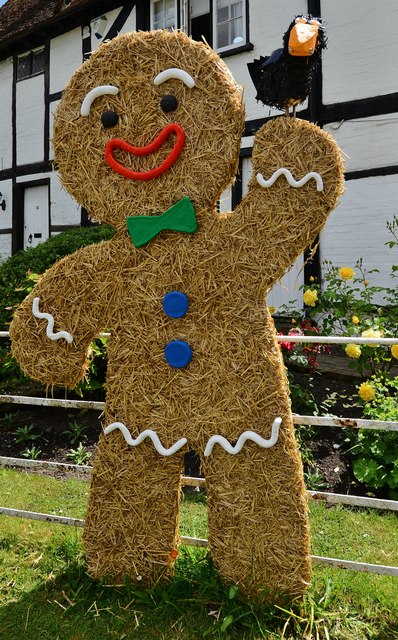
(354, 96)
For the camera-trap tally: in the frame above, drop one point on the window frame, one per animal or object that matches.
(230, 48)
(30, 56)
(152, 14)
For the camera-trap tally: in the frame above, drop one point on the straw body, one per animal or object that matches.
(235, 381)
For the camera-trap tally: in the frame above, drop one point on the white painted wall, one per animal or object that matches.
(53, 109)
(104, 26)
(6, 216)
(368, 142)
(30, 120)
(65, 56)
(357, 228)
(226, 200)
(6, 72)
(360, 60)
(64, 209)
(5, 247)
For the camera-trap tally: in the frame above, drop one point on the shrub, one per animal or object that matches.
(15, 271)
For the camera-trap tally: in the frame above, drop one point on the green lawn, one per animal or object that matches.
(44, 592)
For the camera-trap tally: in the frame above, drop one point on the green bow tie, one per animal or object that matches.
(180, 217)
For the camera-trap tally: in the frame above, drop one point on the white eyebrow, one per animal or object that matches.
(179, 74)
(95, 93)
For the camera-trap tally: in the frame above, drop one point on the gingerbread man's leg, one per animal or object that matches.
(132, 521)
(258, 525)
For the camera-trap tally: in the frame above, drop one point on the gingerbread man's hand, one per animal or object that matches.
(53, 327)
(296, 182)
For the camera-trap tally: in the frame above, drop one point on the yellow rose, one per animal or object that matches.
(355, 320)
(366, 392)
(310, 297)
(346, 273)
(353, 350)
(272, 310)
(394, 350)
(372, 333)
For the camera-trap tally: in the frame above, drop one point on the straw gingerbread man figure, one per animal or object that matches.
(147, 137)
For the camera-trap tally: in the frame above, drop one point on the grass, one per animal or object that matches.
(45, 593)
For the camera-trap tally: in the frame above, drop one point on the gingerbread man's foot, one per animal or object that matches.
(132, 521)
(258, 525)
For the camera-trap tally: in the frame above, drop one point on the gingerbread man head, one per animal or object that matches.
(150, 118)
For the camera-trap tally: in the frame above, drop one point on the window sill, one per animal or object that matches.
(234, 50)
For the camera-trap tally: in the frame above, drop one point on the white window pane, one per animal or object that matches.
(23, 67)
(222, 15)
(222, 10)
(169, 6)
(222, 35)
(236, 10)
(170, 24)
(158, 11)
(237, 31)
(199, 7)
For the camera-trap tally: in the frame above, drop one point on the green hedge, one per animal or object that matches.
(13, 272)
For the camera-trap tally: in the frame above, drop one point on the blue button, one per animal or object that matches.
(175, 304)
(178, 353)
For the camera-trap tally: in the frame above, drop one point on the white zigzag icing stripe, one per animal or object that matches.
(50, 323)
(148, 433)
(223, 442)
(247, 435)
(293, 183)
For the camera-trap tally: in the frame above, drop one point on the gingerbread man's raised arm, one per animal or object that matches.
(296, 182)
(53, 327)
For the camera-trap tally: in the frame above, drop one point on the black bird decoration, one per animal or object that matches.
(282, 80)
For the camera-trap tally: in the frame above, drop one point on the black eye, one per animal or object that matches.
(169, 103)
(109, 119)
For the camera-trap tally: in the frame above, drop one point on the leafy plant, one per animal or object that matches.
(79, 455)
(314, 480)
(10, 420)
(33, 453)
(24, 434)
(348, 303)
(306, 354)
(376, 452)
(76, 432)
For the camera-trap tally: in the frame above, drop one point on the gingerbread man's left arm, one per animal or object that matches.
(296, 183)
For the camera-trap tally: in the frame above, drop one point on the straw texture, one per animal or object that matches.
(259, 534)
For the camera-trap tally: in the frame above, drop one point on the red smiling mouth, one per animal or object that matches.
(117, 143)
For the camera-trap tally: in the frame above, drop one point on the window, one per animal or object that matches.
(200, 21)
(164, 14)
(229, 24)
(30, 65)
